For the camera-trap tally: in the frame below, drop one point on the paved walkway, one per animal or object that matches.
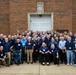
(37, 69)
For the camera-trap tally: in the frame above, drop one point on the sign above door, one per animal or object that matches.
(40, 7)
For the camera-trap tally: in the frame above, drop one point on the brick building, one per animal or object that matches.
(18, 15)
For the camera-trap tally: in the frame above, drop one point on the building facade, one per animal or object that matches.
(25, 15)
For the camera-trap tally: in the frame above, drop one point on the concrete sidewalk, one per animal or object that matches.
(37, 69)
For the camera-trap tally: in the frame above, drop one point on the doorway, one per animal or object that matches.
(40, 22)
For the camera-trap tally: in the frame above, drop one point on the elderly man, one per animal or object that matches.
(1, 40)
(62, 52)
(29, 49)
(54, 55)
(44, 54)
(7, 50)
(2, 56)
(74, 48)
(35, 52)
(69, 51)
(17, 52)
(23, 42)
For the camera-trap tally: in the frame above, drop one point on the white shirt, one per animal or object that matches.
(62, 44)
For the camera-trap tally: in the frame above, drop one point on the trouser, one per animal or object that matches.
(54, 59)
(29, 55)
(17, 57)
(75, 58)
(40, 58)
(0, 62)
(35, 56)
(12, 59)
(7, 60)
(23, 57)
(62, 55)
(8, 54)
(44, 58)
(50, 58)
(69, 54)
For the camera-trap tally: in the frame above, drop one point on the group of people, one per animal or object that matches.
(45, 47)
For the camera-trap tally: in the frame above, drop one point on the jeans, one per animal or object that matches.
(75, 58)
(69, 54)
(17, 57)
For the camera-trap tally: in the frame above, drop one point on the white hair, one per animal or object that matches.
(29, 37)
(52, 45)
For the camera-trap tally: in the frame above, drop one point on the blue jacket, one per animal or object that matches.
(43, 41)
(23, 42)
(52, 43)
(39, 43)
(54, 51)
(44, 49)
(74, 46)
(17, 46)
(69, 45)
(72, 38)
(35, 45)
(29, 45)
(2, 54)
(1, 42)
(47, 41)
(7, 46)
(13, 42)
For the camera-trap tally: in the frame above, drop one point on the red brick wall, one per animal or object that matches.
(74, 16)
(4, 16)
(18, 10)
